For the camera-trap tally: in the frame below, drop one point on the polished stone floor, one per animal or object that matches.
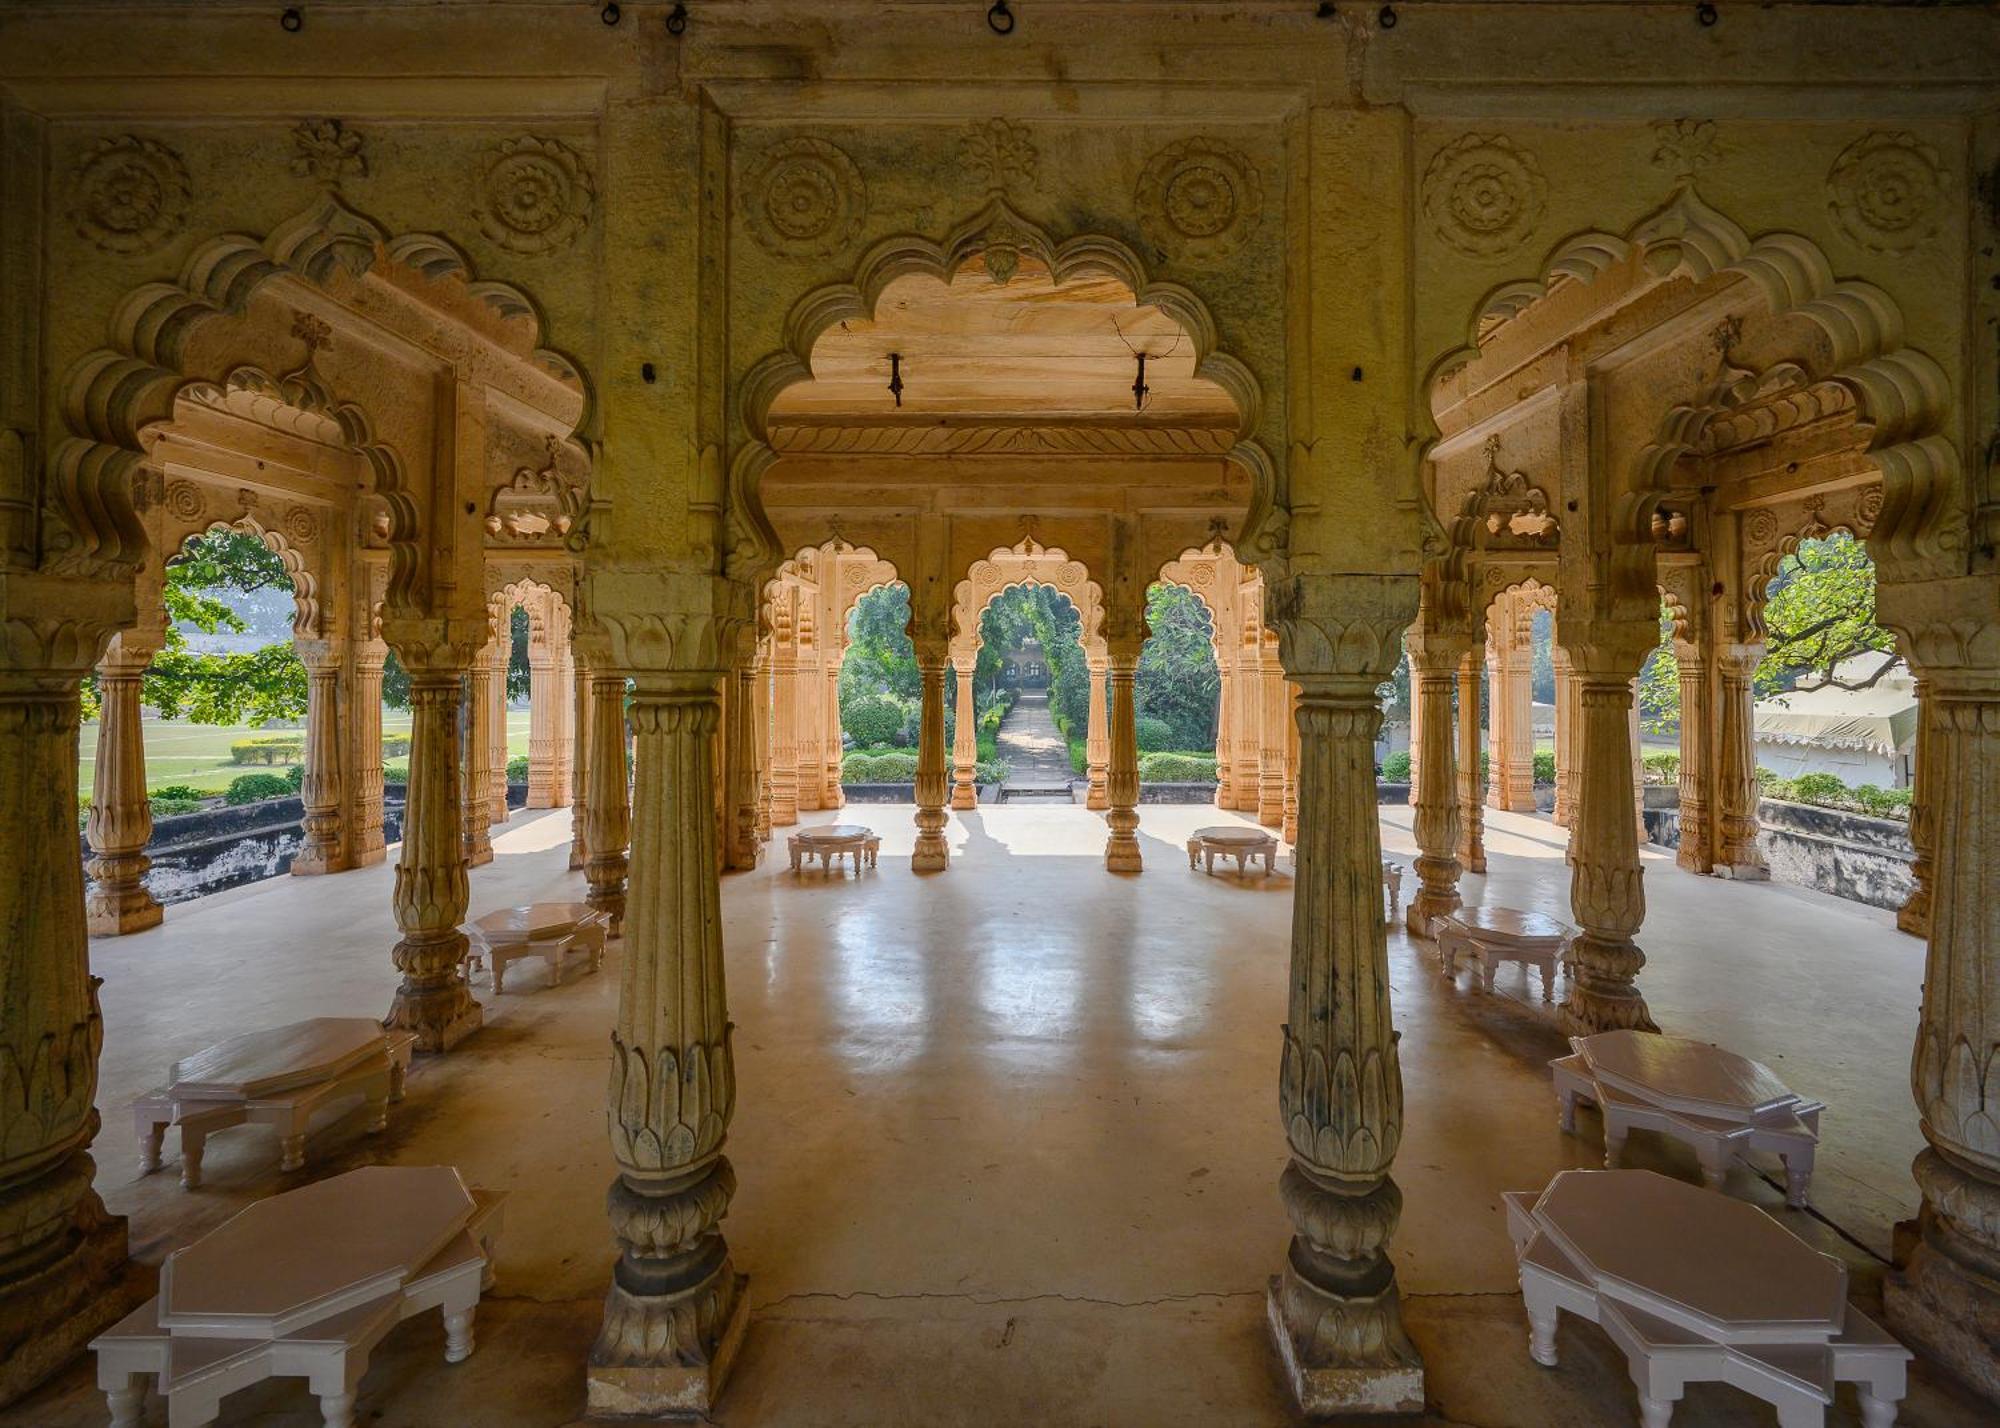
(1006, 1137)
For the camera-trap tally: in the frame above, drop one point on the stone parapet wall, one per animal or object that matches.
(1847, 855)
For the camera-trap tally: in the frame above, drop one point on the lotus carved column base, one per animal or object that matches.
(964, 794)
(605, 873)
(434, 1000)
(1914, 916)
(931, 854)
(1437, 893)
(1097, 796)
(1945, 1302)
(53, 1303)
(1121, 848)
(1603, 989)
(676, 1311)
(118, 902)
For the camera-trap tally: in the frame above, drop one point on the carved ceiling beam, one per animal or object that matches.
(334, 485)
(1835, 471)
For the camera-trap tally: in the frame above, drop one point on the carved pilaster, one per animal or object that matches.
(431, 889)
(744, 705)
(367, 845)
(1097, 737)
(764, 713)
(1274, 704)
(1697, 759)
(832, 795)
(1225, 763)
(579, 807)
(1607, 893)
(1290, 831)
(932, 854)
(1434, 660)
(1914, 916)
(609, 819)
(1737, 793)
(544, 694)
(1335, 1309)
(320, 791)
(1121, 783)
(1510, 780)
(1565, 810)
(477, 809)
(675, 1312)
(121, 820)
(965, 741)
(785, 740)
(563, 779)
(808, 684)
(497, 657)
(1471, 849)
(60, 1252)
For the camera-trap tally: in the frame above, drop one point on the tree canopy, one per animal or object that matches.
(1178, 681)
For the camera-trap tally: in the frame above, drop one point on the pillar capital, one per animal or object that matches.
(1602, 651)
(54, 629)
(435, 648)
(1341, 629)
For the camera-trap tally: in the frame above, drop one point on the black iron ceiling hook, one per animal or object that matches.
(1000, 20)
(896, 377)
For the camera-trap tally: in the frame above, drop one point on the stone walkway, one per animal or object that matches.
(1037, 755)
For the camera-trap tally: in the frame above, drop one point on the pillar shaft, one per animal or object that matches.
(121, 820)
(1607, 893)
(1291, 828)
(1416, 732)
(785, 740)
(1121, 784)
(1914, 917)
(579, 807)
(1471, 848)
(1097, 739)
(932, 853)
(740, 745)
(1696, 852)
(1737, 793)
(1433, 675)
(965, 742)
(60, 1253)
(1274, 707)
(366, 846)
(610, 825)
(807, 778)
(1510, 779)
(1565, 810)
(430, 896)
(832, 795)
(563, 779)
(477, 809)
(496, 727)
(675, 1311)
(764, 719)
(320, 791)
(544, 692)
(1225, 764)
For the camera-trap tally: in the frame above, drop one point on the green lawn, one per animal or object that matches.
(198, 754)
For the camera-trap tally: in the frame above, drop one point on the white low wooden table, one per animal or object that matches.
(1720, 1104)
(1485, 936)
(1232, 840)
(304, 1285)
(832, 842)
(1695, 1287)
(551, 931)
(281, 1078)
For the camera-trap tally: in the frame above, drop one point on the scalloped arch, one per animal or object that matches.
(306, 615)
(1013, 567)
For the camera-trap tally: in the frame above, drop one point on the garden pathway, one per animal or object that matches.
(1036, 754)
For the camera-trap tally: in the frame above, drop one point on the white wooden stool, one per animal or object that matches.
(833, 842)
(1232, 840)
(1486, 935)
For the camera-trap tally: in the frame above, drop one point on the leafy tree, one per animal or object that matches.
(879, 651)
(520, 680)
(1178, 682)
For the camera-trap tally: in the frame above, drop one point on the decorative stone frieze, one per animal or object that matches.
(1484, 194)
(535, 197)
(129, 195)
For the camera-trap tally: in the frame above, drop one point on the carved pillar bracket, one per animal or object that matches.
(120, 822)
(320, 791)
(676, 1309)
(431, 889)
(965, 739)
(1121, 783)
(61, 1254)
(932, 854)
(1737, 793)
(1434, 659)
(1335, 1309)
(1607, 892)
(1945, 1301)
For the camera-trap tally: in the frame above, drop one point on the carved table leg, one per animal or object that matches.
(458, 1337)
(292, 1151)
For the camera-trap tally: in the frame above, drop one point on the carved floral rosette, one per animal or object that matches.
(129, 195)
(1200, 199)
(1886, 192)
(536, 196)
(804, 199)
(1484, 194)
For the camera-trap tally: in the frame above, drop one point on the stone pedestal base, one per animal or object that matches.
(1417, 916)
(1743, 872)
(670, 1390)
(1096, 799)
(964, 796)
(930, 859)
(1949, 1312)
(48, 1316)
(1323, 1391)
(114, 917)
(1122, 855)
(306, 865)
(437, 1030)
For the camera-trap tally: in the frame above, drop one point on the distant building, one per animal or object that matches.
(1859, 735)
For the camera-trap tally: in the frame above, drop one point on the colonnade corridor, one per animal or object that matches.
(1004, 1137)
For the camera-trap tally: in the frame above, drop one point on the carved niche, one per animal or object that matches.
(538, 505)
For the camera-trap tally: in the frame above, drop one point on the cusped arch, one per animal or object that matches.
(754, 542)
(307, 618)
(1199, 570)
(1028, 563)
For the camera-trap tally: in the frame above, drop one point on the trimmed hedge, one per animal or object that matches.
(269, 749)
(517, 769)
(396, 746)
(1396, 767)
(1156, 736)
(178, 792)
(396, 774)
(1825, 790)
(873, 720)
(893, 766)
(1176, 768)
(1545, 767)
(170, 807)
(255, 788)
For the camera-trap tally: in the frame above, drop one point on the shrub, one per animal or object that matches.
(989, 722)
(396, 746)
(170, 807)
(1821, 788)
(1662, 768)
(256, 787)
(990, 771)
(1396, 767)
(268, 749)
(1545, 766)
(1882, 802)
(872, 719)
(1766, 780)
(1177, 768)
(1780, 789)
(295, 777)
(895, 766)
(178, 792)
(517, 769)
(396, 774)
(1155, 735)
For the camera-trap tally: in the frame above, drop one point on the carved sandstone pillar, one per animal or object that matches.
(1434, 660)
(1274, 706)
(744, 706)
(320, 790)
(676, 1309)
(121, 820)
(1510, 781)
(1607, 894)
(1335, 1309)
(498, 655)
(1225, 769)
(1736, 761)
(785, 740)
(1097, 738)
(367, 845)
(832, 795)
(1291, 828)
(1471, 787)
(477, 810)
(1914, 917)
(1416, 734)
(965, 741)
(1121, 847)
(579, 807)
(1694, 853)
(807, 684)
(1565, 811)
(563, 778)
(544, 692)
(763, 716)
(434, 1000)
(610, 824)
(61, 1254)
(932, 854)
